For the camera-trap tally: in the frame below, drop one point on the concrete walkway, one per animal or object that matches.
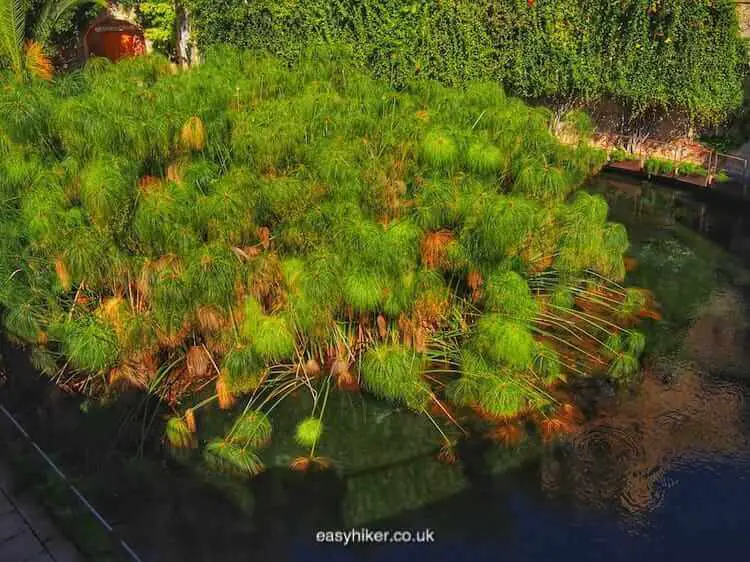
(26, 532)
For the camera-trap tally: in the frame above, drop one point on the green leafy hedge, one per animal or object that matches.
(645, 53)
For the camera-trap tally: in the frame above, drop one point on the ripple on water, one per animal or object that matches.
(629, 456)
(644, 490)
(594, 472)
(603, 440)
(671, 418)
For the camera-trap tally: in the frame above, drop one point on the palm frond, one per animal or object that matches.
(51, 11)
(12, 29)
(38, 63)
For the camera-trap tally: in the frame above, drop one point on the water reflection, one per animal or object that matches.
(622, 458)
(685, 412)
(718, 337)
(651, 205)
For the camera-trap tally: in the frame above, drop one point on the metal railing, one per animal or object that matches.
(127, 550)
(713, 161)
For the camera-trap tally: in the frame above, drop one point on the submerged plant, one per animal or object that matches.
(227, 457)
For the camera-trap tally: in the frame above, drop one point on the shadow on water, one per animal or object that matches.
(659, 471)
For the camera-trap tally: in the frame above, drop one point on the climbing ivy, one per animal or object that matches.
(643, 53)
(397, 40)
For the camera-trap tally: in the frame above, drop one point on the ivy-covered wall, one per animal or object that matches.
(684, 54)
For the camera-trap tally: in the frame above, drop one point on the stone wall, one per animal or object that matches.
(743, 11)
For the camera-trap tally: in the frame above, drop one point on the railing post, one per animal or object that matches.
(709, 168)
(714, 162)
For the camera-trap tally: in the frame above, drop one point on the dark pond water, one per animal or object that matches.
(660, 471)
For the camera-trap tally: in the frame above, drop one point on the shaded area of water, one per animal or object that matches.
(660, 471)
(647, 208)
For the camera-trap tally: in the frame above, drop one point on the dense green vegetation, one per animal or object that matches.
(645, 54)
(660, 166)
(243, 232)
(27, 28)
(158, 22)
(666, 167)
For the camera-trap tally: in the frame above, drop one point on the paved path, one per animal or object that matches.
(26, 532)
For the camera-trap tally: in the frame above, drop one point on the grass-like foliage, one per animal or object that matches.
(493, 390)
(508, 293)
(253, 231)
(89, 344)
(394, 373)
(659, 166)
(504, 341)
(243, 368)
(308, 432)
(177, 433)
(439, 150)
(269, 335)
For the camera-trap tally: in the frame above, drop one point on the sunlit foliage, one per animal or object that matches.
(241, 232)
(663, 54)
